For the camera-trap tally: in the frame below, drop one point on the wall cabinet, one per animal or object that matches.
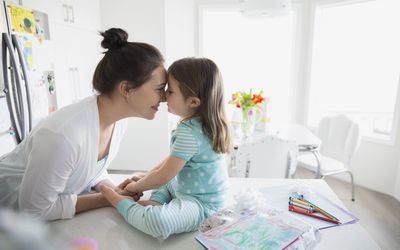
(79, 52)
(78, 13)
(74, 27)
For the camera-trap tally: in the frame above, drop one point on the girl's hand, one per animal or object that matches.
(120, 190)
(131, 187)
(113, 197)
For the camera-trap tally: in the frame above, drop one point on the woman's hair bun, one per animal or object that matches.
(114, 38)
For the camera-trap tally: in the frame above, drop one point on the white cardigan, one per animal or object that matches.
(57, 161)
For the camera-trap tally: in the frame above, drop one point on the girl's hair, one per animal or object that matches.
(124, 61)
(200, 77)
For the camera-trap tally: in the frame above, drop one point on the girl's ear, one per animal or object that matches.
(194, 102)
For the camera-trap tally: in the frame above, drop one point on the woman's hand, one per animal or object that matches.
(112, 196)
(120, 190)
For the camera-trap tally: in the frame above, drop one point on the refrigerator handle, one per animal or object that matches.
(71, 10)
(66, 15)
(76, 92)
(25, 78)
(77, 82)
(18, 83)
(14, 109)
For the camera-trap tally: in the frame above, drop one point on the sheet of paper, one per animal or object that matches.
(278, 197)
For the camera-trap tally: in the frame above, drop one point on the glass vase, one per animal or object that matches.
(248, 121)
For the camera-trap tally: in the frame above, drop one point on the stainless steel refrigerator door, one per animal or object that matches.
(25, 92)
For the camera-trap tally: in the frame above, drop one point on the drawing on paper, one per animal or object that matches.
(253, 232)
(27, 51)
(22, 20)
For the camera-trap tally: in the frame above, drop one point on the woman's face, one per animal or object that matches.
(145, 100)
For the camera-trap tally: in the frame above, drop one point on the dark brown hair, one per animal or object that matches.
(200, 77)
(124, 61)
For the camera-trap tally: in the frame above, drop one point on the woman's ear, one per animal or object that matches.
(123, 88)
(194, 102)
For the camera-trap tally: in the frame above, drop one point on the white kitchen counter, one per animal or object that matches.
(112, 232)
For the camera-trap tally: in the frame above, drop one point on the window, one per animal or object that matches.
(251, 53)
(356, 65)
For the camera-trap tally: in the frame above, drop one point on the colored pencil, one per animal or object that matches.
(301, 202)
(313, 207)
(306, 212)
(308, 208)
(320, 210)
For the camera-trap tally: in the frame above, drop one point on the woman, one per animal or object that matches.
(52, 172)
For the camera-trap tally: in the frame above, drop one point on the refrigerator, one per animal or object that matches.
(27, 84)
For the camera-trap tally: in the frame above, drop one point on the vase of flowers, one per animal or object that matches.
(249, 104)
(248, 121)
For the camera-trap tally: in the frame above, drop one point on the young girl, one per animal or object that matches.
(191, 182)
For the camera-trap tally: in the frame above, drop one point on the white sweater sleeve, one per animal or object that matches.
(49, 165)
(103, 176)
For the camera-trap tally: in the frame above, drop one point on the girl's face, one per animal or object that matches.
(176, 102)
(145, 100)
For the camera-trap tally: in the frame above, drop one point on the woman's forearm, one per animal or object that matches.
(90, 201)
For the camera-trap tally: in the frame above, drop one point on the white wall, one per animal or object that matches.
(179, 29)
(375, 166)
(146, 142)
(143, 20)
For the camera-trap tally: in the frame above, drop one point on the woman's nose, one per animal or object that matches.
(163, 97)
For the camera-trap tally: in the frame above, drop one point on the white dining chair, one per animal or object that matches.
(340, 139)
(267, 157)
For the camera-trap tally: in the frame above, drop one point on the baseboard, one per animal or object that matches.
(121, 171)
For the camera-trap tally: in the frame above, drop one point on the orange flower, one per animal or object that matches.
(246, 100)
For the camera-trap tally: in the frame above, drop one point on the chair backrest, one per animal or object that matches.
(269, 157)
(340, 137)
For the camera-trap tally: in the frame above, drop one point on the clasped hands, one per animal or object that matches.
(121, 188)
(120, 192)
